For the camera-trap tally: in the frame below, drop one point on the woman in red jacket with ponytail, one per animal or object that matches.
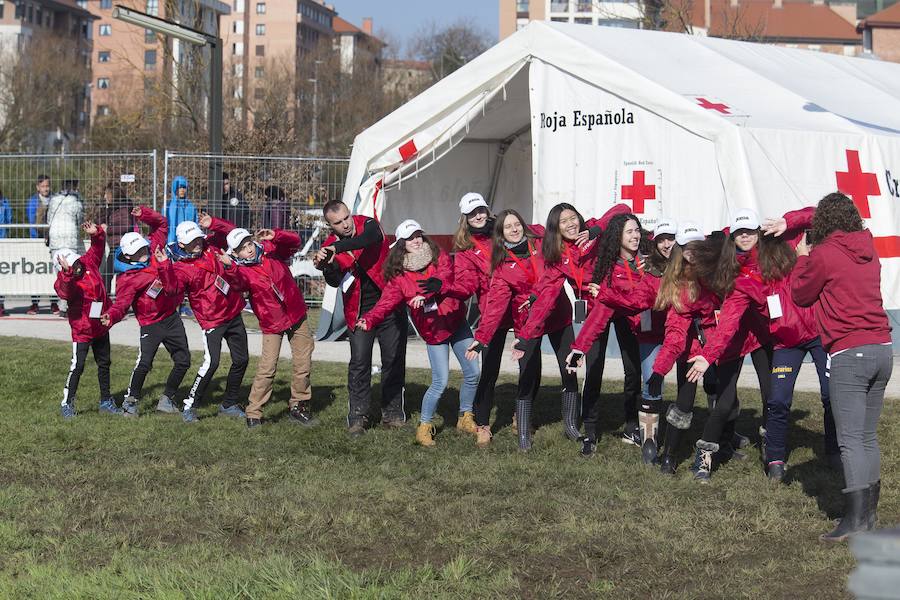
(418, 274)
(516, 266)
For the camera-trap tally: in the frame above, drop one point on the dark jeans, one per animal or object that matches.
(858, 377)
(235, 335)
(391, 336)
(170, 333)
(762, 364)
(786, 363)
(530, 364)
(103, 358)
(724, 413)
(490, 368)
(593, 378)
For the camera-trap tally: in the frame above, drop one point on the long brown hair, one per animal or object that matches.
(462, 239)
(776, 257)
(835, 212)
(553, 241)
(679, 280)
(498, 249)
(716, 265)
(393, 262)
(655, 260)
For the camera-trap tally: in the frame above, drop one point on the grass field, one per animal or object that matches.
(102, 507)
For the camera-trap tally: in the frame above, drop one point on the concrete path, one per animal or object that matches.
(46, 326)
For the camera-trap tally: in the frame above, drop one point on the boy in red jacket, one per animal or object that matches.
(79, 283)
(208, 280)
(147, 283)
(279, 305)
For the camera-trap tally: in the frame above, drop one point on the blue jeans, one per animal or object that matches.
(439, 357)
(786, 364)
(648, 354)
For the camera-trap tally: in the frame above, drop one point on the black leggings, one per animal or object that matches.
(102, 356)
(170, 333)
(593, 378)
(530, 364)
(762, 363)
(235, 335)
(490, 368)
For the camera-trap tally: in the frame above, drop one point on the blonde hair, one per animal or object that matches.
(679, 283)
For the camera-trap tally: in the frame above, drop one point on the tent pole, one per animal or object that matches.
(501, 153)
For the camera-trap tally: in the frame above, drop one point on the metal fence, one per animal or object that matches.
(27, 181)
(263, 192)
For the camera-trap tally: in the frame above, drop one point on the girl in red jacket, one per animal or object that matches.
(569, 250)
(418, 274)
(279, 305)
(147, 283)
(80, 283)
(516, 266)
(625, 286)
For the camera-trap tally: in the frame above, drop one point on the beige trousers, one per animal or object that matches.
(302, 345)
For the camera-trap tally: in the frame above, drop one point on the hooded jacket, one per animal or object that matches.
(81, 292)
(200, 275)
(65, 214)
(841, 280)
(151, 288)
(681, 340)
(435, 326)
(179, 210)
(34, 209)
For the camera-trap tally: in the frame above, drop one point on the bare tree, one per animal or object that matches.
(448, 47)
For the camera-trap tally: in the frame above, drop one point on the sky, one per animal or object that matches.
(402, 18)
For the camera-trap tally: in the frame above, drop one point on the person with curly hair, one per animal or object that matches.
(840, 277)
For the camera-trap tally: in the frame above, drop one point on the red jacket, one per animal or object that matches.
(435, 326)
(511, 285)
(80, 292)
(841, 280)
(681, 341)
(199, 277)
(276, 314)
(368, 260)
(576, 267)
(136, 288)
(743, 320)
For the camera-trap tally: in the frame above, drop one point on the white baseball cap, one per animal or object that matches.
(69, 255)
(236, 237)
(187, 232)
(470, 202)
(689, 231)
(406, 229)
(665, 226)
(132, 242)
(746, 218)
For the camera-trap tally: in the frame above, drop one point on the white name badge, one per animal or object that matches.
(96, 310)
(431, 306)
(646, 321)
(155, 288)
(222, 285)
(347, 281)
(774, 302)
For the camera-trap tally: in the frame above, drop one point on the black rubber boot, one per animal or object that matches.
(855, 517)
(677, 422)
(570, 410)
(874, 495)
(523, 416)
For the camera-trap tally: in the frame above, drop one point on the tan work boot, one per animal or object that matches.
(515, 425)
(425, 435)
(466, 422)
(483, 436)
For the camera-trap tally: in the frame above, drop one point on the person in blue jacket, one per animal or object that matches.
(179, 209)
(6, 218)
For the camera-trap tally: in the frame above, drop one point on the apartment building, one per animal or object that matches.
(515, 14)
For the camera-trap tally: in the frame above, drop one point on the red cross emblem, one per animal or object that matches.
(408, 150)
(638, 192)
(722, 108)
(858, 184)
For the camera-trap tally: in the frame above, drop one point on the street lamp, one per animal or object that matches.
(198, 38)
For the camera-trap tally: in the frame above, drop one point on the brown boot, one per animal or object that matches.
(466, 422)
(425, 435)
(483, 436)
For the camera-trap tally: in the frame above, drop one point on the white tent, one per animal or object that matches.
(690, 127)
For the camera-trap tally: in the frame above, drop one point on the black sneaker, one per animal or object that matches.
(740, 441)
(775, 471)
(632, 434)
(301, 415)
(667, 465)
(253, 423)
(588, 447)
(357, 429)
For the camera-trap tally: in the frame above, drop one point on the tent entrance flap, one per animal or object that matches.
(501, 153)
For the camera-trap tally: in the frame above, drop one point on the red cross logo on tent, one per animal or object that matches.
(858, 184)
(717, 106)
(408, 150)
(638, 192)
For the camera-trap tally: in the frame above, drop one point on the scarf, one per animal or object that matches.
(417, 261)
(520, 249)
(485, 229)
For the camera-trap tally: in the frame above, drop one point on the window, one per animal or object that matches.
(559, 5)
(153, 7)
(624, 23)
(106, 30)
(260, 50)
(237, 49)
(584, 21)
(585, 7)
(149, 36)
(560, 19)
(103, 56)
(81, 3)
(237, 27)
(237, 69)
(149, 60)
(238, 6)
(867, 40)
(259, 72)
(103, 83)
(522, 6)
(1, 10)
(238, 92)
(260, 8)
(103, 110)
(260, 29)
(259, 93)
(105, 4)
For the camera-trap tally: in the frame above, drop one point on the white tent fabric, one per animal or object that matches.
(690, 127)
